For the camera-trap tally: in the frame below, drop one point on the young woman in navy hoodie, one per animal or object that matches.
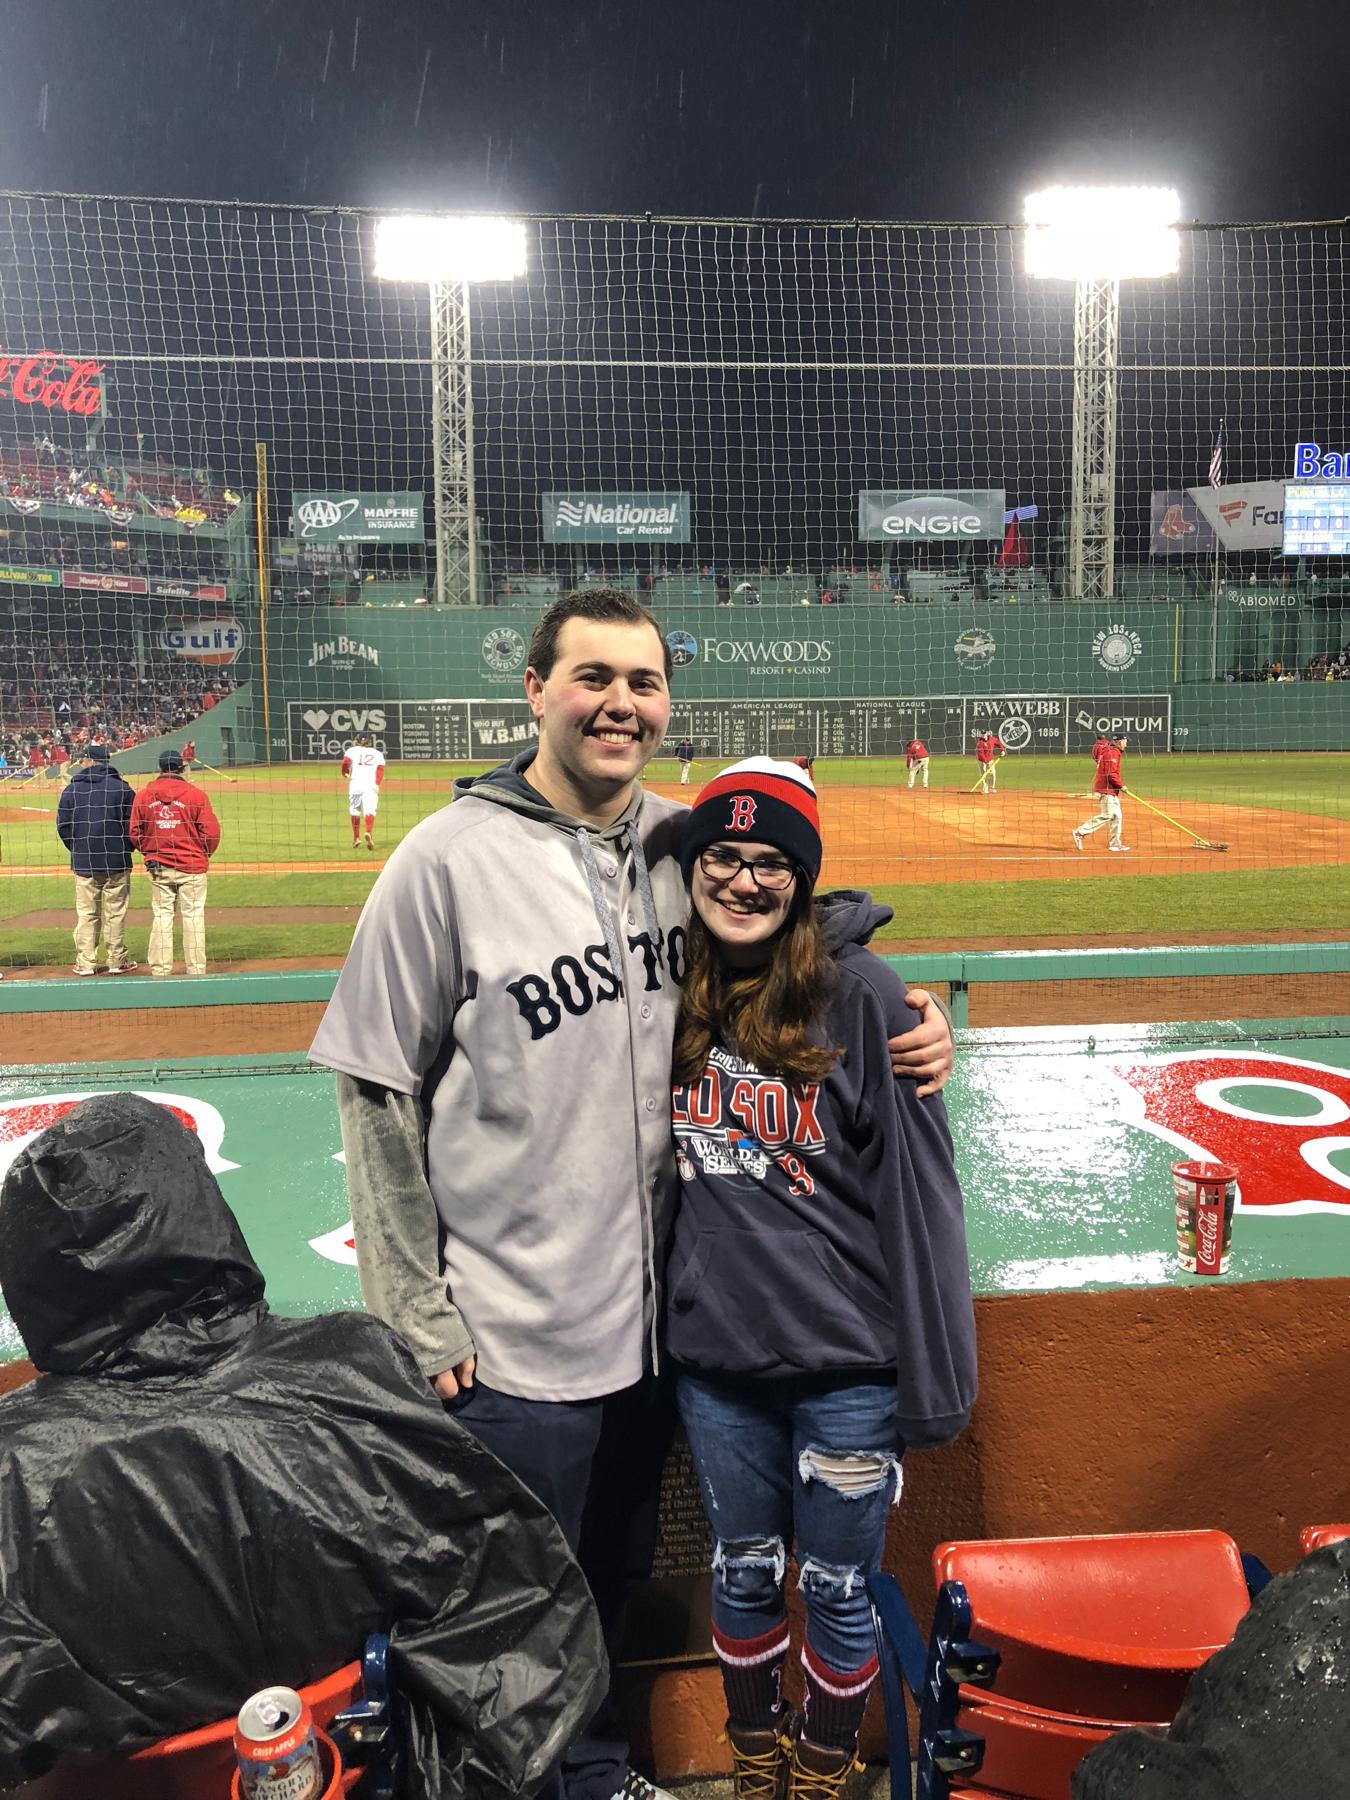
(819, 1297)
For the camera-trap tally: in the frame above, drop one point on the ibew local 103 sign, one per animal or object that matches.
(964, 515)
(589, 518)
(358, 519)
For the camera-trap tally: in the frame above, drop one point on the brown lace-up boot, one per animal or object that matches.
(759, 1760)
(815, 1773)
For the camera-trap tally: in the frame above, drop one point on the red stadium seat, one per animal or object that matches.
(1106, 1628)
(1029, 1752)
(196, 1765)
(1043, 1647)
(1317, 1537)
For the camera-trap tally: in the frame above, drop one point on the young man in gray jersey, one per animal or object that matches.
(502, 1032)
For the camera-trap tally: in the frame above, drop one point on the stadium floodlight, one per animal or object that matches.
(447, 253)
(444, 248)
(1098, 237)
(1102, 233)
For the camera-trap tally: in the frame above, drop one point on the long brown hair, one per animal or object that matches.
(771, 1015)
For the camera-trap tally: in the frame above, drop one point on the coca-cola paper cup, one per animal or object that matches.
(1205, 1195)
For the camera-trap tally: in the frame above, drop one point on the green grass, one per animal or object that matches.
(1163, 906)
(39, 892)
(264, 823)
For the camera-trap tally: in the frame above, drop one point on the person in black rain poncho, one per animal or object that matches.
(200, 1499)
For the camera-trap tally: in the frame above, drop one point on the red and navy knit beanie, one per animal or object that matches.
(758, 801)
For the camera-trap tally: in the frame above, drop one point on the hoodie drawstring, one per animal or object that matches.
(644, 881)
(604, 912)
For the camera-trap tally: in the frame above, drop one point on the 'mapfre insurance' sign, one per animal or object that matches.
(358, 519)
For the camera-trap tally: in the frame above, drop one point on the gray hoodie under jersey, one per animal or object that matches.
(482, 982)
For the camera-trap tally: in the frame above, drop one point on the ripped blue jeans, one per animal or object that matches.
(784, 1462)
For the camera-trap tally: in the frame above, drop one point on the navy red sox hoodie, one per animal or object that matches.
(820, 1228)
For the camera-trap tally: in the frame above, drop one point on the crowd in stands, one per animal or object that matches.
(34, 472)
(59, 694)
(98, 549)
(785, 585)
(1326, 665)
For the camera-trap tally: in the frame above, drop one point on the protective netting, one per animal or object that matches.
(837, 461)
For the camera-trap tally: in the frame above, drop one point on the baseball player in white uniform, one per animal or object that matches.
(363, 766)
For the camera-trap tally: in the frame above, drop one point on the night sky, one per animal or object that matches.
(948, 110)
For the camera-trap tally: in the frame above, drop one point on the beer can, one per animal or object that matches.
(1205, 1194)
(276, 1748)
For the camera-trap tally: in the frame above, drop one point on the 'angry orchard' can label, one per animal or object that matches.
(1206, 1194)
(276, 1748)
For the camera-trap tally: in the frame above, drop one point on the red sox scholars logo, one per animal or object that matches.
(1203, 1102)
(742, 812)
(22, 1120)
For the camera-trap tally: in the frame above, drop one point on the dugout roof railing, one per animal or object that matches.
(958, 970)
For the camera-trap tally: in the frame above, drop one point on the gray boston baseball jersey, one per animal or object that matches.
(482, 978)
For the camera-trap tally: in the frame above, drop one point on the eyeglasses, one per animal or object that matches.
(770, 873)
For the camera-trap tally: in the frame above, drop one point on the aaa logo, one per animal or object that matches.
(1208, 1104)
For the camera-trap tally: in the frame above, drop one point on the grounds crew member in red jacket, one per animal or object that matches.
(1110, 785)
(989, 749)
(175, 830)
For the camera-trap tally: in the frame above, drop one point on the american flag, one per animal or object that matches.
(1216, 461)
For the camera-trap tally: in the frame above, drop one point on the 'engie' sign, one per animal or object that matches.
(216, 642)
(962, 515)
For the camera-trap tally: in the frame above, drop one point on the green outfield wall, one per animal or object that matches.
(850, 680)
(224, 737)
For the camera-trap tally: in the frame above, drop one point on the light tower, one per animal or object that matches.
(1096, 238)
(446, 253)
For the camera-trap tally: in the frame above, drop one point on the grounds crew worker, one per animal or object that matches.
(175, 830)
(1109, 785)
(93, 821)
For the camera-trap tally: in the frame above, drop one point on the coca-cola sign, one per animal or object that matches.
(1207, 1222)
(60, 383)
